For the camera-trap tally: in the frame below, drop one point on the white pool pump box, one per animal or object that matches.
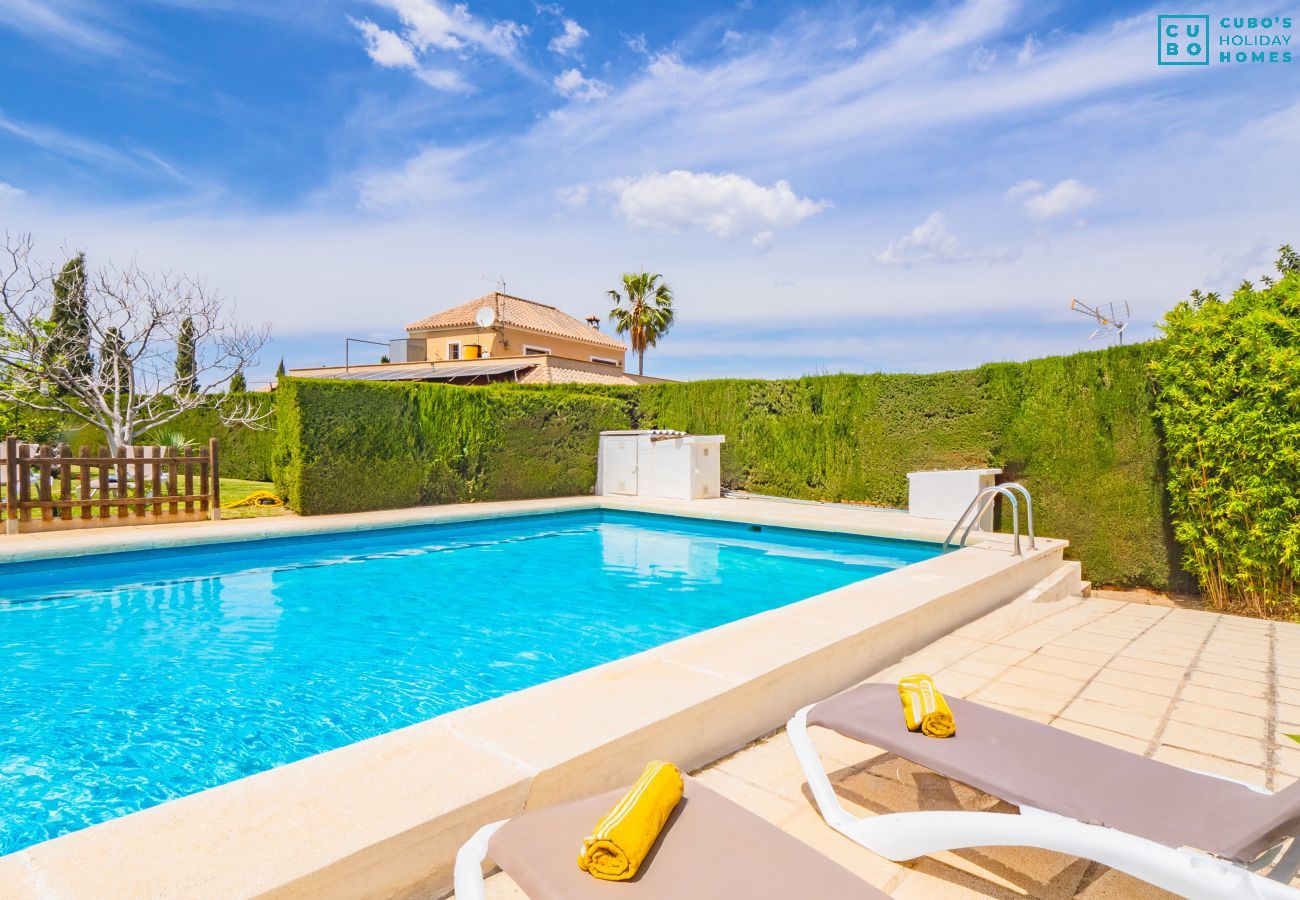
(946, 494)
(670, 464)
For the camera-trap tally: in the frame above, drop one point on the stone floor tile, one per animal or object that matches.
(958, 684)
(1203, 716)
(1254, 706)
(1245, 750)
(1055, 665)
(999, 653)
(1113, 738)
(1046, 682)
(1200, 762)
(980, 668)
(1112, 718)
(1018, 697)
(1160, 669)
(1163, 686)
(1149, 702)
(1250, 688)
(1092, 657)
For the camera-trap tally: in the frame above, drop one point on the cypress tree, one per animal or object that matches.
(280, 370)
(238, 383)
(186, 363)
(70, 343)
(113, 365)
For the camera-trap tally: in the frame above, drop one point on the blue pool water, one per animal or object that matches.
(130, 679)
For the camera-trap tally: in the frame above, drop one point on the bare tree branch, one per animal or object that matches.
(124, 379)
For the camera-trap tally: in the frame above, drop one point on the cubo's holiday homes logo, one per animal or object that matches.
(1183, 40)
(1186, 40)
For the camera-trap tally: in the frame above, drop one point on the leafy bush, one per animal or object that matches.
(1228, 377)
(348, 446)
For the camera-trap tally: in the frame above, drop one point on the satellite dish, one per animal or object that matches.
(485, 316)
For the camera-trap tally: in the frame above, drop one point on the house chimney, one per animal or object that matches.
(594, 322)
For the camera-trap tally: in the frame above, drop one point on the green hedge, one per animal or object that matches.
(1229, 399)
(1078, 431)
(245, 452)
(348, 446)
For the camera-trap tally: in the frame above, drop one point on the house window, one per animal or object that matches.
(530, 350)
(603, 361)
(453, 349)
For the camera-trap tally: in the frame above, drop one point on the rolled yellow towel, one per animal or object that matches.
(924, 707)
(620, 842)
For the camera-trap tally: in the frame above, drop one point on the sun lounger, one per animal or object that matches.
(711, 849)
(1194, 834)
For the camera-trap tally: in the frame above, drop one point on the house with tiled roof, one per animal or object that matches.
(497, 337)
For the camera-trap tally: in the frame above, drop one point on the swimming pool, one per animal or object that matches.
(133, 678)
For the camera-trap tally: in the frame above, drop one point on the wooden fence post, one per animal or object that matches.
(11, 485)
(215, 463)
(64, 452)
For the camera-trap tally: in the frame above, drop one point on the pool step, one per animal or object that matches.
(1063, 582)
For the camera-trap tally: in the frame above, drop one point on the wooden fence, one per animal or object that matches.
(46, 488)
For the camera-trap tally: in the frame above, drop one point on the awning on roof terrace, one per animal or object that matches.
(446, 371)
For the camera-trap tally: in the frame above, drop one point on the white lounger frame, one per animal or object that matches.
(907, 835)
(468, 880)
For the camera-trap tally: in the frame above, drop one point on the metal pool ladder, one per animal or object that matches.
(980, 503)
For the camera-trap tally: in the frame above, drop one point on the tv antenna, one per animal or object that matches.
(500, 280)
(1111, 318)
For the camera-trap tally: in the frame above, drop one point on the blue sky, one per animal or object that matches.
(828, 187)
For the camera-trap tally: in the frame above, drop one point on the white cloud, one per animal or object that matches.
(931, 241)
(576, 86)
(1065, 197)
(431, 24)
(1020, 188)
(9, 192)
(726, 205)
(569, 40)
(384, 47)
(65, 25)
(430, 27)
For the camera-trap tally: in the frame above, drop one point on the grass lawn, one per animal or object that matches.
(236, 489)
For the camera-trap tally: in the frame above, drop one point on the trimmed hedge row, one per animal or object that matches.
(1078, 431)
(347, 446)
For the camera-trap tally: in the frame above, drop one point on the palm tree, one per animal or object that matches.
(648, 314)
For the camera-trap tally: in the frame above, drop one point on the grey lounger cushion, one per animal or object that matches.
(1031, 764)
(711, 849)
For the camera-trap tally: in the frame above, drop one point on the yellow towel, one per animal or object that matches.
(620, 842)
(924, 707)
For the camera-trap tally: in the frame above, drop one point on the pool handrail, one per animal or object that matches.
(981, 502)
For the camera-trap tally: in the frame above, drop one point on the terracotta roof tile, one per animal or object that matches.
(520, 313)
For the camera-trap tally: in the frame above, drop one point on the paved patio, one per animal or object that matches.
(1199, 690)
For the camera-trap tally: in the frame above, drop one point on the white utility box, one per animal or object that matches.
(945, 494)
(668, 464)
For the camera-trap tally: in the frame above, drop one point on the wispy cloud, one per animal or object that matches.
(65, 25)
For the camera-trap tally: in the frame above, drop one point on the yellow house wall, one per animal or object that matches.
(513, 345)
